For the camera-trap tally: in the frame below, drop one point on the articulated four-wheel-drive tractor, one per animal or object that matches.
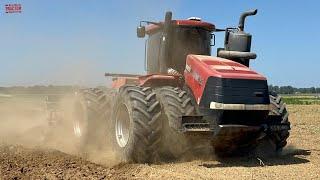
(188, 101)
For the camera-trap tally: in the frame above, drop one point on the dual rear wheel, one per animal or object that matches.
(88, 117)
(139, 124)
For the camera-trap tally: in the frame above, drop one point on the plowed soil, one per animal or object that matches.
(300, 160)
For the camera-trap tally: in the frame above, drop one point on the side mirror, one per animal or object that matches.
(141, 31)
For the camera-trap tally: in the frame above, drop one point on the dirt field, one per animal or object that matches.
(23, 157)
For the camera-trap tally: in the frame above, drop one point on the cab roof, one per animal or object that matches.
(152, 28)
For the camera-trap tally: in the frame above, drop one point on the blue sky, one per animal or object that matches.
(75, 42)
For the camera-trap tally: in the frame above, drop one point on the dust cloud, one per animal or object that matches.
(20, 122)
(26, 123)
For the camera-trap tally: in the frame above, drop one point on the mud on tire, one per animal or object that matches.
(136, 125)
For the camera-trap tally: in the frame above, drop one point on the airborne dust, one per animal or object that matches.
(26, 123)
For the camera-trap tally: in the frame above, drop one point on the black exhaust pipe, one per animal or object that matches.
(243, 17)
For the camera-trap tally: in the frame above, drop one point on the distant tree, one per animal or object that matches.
(52, 89)
(313, 90)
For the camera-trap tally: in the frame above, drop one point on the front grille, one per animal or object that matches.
(235, 91)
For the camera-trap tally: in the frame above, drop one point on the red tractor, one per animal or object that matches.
(188, 100)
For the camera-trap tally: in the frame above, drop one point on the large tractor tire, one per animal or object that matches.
(90, 108)
(175, 103)
(279, 115)
(136, 125)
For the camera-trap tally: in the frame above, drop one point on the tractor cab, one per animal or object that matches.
(182, 38)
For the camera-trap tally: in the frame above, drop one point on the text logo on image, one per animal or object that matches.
(13, 8)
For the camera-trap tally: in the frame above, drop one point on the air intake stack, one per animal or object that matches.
(237, 43)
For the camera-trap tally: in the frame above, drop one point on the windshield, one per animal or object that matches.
(189, 40)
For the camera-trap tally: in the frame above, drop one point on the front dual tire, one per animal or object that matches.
(135, 125)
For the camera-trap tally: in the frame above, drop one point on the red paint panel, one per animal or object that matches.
(152, 28)
(120, 81)
(151, 80)
(199, 68)
(160, 80)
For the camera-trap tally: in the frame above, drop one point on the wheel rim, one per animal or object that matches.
(122, 126)
(78, 120)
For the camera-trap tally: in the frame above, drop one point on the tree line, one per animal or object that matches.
(51, 89)
(294, 90)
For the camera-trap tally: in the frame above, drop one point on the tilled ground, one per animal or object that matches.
(300, 160)
(19, 162)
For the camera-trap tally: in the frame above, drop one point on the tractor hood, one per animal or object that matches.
(219, 67)
(223, 81)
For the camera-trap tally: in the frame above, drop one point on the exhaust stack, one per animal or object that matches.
(237, 44)
(243, 18)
